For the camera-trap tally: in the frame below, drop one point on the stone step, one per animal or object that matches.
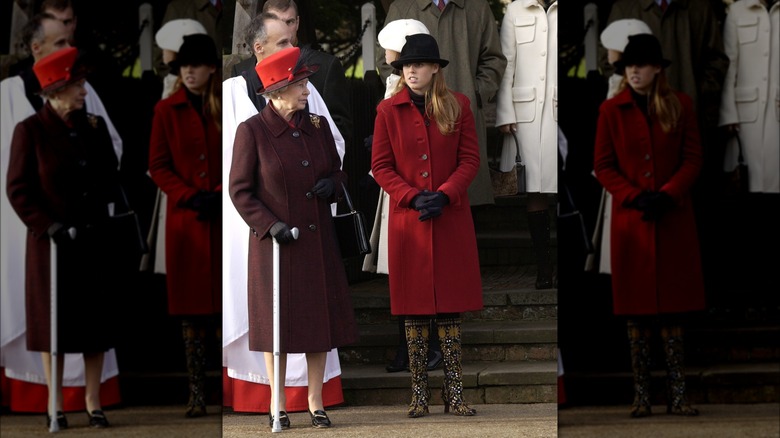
(718, 383)
(482, 340)
(733, 344)
(511, 247)
(508, 295)
(483, 383)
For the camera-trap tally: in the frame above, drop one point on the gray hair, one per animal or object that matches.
(255, 32)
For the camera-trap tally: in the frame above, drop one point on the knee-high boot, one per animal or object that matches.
(417, 344)
(452, 390)
(677, 402)
(539, 227)
(195, 353)
(639, 341)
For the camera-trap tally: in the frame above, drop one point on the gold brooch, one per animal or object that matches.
(315, 120)
(93, 121)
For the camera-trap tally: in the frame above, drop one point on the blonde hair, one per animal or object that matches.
(661, 102)
(440, 104)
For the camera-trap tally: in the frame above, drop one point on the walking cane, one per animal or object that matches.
(54, 425)
(277, 426)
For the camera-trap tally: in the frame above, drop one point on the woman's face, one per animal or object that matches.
(71, 97)
(196, 77)
(419, 76)
(294, 97)
(641, 77)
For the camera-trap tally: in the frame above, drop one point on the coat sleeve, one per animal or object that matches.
(680, 184)
(23, 187)
(605, 163)
(161, 165)
(728, 106)
(456, 186)
(244, 184)
(505, 110)
(95, 106)
(492, 62)
(383, 160)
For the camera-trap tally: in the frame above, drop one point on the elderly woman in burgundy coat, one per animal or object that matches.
(185, 157)
(648, 156)
(425, 155)
(285, 173)
(63, 182)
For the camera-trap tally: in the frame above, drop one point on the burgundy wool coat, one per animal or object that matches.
(273, 169)
(185, 157)
(68, 175)
(656, 266)
(433, 265)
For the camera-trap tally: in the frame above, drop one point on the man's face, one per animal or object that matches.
(56, 36)
(290, 18)
(67, 17)
(279, 36)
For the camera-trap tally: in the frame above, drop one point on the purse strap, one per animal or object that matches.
(518, 160)
(740, 159)
(347, 198)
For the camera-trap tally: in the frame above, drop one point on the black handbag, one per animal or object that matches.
(126, 229)
(736, 181)
(351, 230)
(509, 183)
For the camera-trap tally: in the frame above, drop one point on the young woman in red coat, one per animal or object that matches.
(185, 162)
(425, 155)
(647, 156)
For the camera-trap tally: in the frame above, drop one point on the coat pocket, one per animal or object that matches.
(525, 28)
(747, 103)
(524, 99)
(747, 30)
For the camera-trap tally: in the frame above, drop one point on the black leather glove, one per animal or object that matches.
(432, 206)
(209, 206)
(281, 232)
(324, 188)
(420, 199)
(642, 201)
(368, 142)
(61, 233)
(658, 203)
(196, 201)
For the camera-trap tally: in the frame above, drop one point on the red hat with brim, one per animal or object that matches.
(59, 69)
(282, 69)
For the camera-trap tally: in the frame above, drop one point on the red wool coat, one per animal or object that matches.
(185, 157)
(67, 174)
(273, 169)
(656, 266)
(433, 265)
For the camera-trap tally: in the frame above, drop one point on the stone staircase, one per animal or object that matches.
(509, 347)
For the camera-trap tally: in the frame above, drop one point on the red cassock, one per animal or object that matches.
(185, 157)
(656, 265)
(433, 265)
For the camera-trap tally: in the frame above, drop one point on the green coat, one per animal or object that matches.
(467, 34)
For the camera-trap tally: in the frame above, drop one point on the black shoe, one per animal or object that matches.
(61, 420)
(319, 419)
(400, 363)
(284, 420)
(97, 419)
(435, 359)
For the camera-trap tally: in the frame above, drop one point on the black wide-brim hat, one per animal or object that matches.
(642, 49)
(419, 48)
(283, 68)
(196, 49)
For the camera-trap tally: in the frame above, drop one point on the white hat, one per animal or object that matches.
(171, 34)
(393, 35)
(615, 36)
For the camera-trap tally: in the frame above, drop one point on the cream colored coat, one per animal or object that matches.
(528, 95)
(751, 92)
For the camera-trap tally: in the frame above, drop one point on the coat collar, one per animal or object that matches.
(624, 97)
(401, 98)
(422, 4)
(179, 97)
(277, 125)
